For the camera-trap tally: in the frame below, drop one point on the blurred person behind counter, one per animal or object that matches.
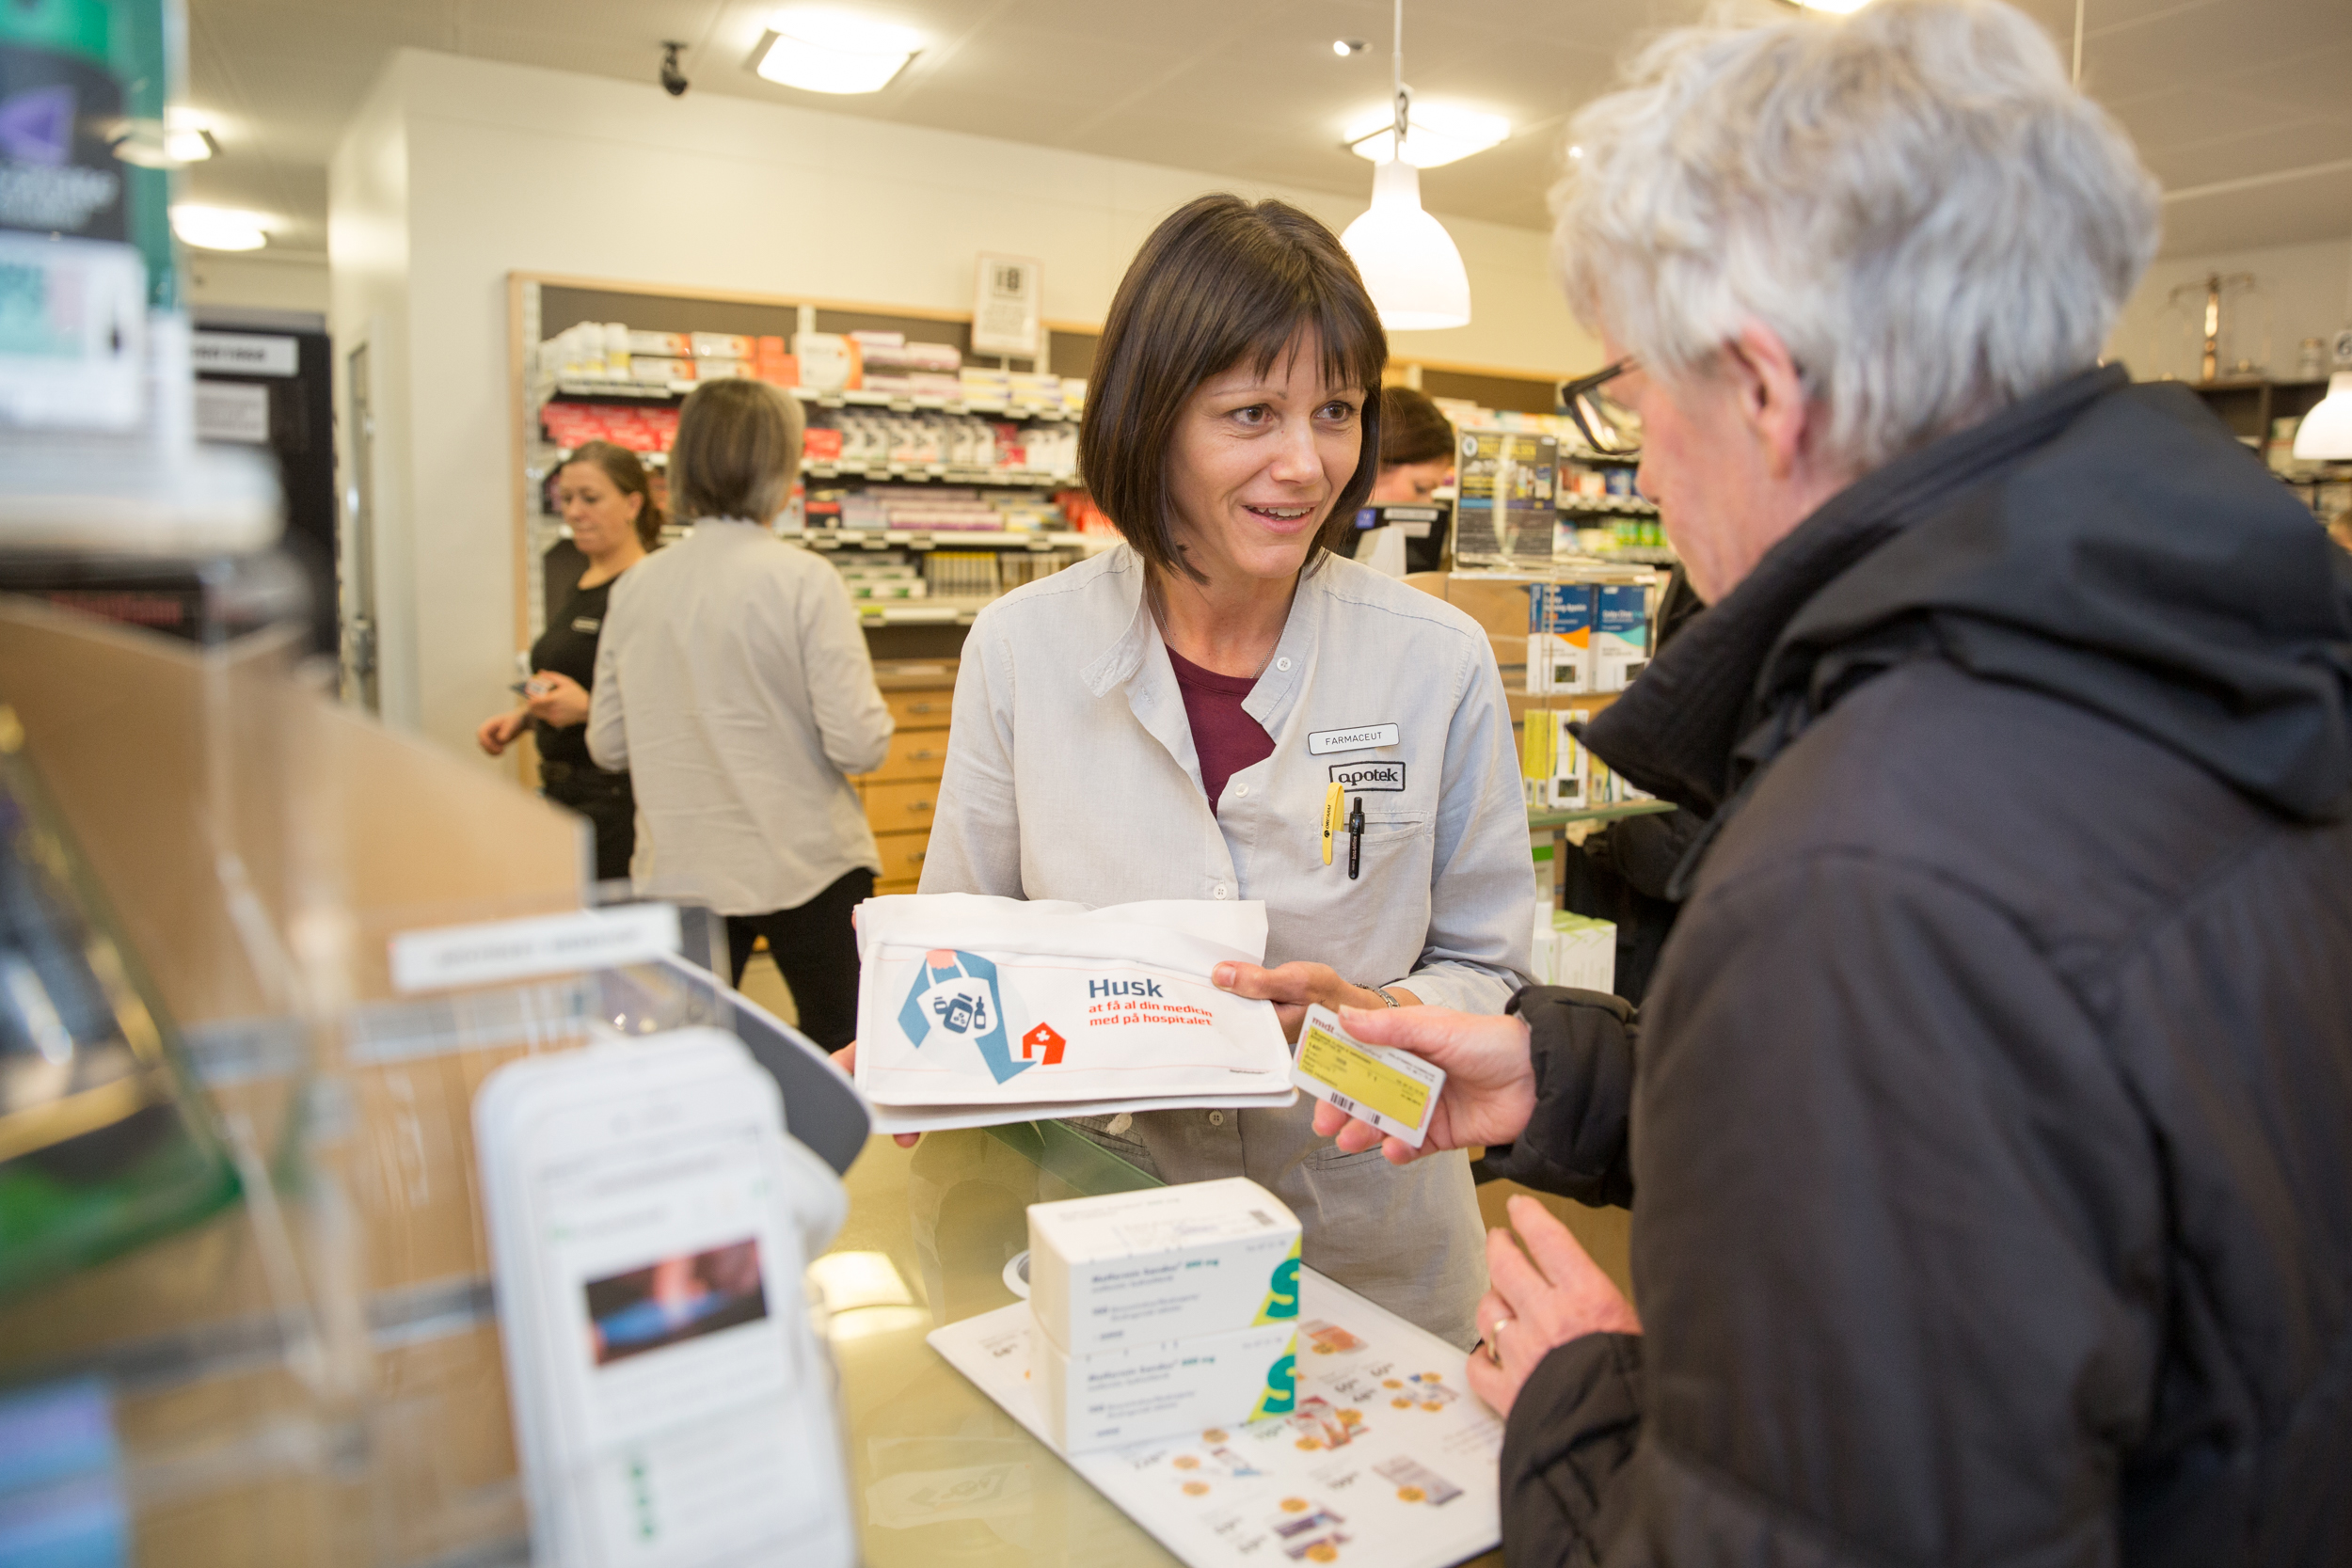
(605, 498)
(1416, 448)
(734, 680)
(1167, 720)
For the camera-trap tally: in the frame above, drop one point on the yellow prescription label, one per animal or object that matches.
(1391, 1089)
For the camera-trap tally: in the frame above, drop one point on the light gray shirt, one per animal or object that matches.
(1070, 774)
(734, 684)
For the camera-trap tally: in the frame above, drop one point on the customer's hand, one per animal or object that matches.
(845, 1059)
(1534, 1306)
(1490, 1080)
(560, 700)
(498, 734)
(1294, 987)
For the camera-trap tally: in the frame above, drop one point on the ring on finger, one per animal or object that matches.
(1494, 1340)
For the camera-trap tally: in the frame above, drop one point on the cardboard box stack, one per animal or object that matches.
(1162, 1311)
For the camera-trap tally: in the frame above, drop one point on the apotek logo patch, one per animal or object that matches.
(1368, 776)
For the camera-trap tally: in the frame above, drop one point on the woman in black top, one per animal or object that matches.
(609, 506)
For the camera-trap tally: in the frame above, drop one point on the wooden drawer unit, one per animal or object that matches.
(913, 754)
(897, 808)
(901, 858)
(921, 710)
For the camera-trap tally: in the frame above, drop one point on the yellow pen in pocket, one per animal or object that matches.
(1334, 815)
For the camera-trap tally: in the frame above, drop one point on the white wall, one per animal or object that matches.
(485, 169)
(367, 246)
(259, 279)
(2302, 290)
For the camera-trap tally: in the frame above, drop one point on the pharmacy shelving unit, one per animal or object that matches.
(541, 306)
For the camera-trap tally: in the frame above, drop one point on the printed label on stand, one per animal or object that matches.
(452, 956)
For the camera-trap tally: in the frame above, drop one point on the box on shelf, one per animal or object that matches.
(665, 345)
(722, 345)
(1575, 950)
(1559, 638)
(1553, 761)
(1142, 1267)
(1620, 635)
(1137, 1392)
(828, 361)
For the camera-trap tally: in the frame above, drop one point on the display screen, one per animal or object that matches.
(681, 1297)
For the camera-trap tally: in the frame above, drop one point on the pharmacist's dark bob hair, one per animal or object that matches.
(1220, 282)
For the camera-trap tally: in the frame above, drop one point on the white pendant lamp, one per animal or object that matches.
(2326, 433)
(1409, 265)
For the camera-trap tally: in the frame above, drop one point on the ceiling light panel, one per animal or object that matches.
(221, 228)
(1437, 134)
(833, 51)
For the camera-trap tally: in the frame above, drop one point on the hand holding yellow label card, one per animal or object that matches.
(1394, 1090)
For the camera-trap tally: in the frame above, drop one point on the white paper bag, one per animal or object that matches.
(972, 1002)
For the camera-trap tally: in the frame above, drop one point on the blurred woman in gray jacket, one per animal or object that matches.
(734, 684)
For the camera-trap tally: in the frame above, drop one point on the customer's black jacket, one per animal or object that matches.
(1993, 1118)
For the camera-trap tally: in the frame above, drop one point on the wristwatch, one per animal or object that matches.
(1382, 993)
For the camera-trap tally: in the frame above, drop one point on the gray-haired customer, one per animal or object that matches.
(733, 683)
(1992, 1117)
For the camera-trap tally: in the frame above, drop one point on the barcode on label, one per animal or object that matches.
(1343, 1102)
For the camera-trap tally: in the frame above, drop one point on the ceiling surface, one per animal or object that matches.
(2243, 108)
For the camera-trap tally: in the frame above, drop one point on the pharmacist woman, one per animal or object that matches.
(605, 499)
(1165, 721)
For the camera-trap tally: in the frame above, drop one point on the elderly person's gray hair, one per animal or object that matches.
(1912, 197)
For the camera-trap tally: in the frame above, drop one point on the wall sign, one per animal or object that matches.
(1005, 307)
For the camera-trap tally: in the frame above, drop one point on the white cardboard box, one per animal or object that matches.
(1142, 1267)
(1139, 1392)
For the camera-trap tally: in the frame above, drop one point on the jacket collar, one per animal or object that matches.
(1679, 732)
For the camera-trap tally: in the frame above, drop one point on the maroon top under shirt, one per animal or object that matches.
(1227, 738)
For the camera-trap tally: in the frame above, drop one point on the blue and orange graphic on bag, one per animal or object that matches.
(957, 994)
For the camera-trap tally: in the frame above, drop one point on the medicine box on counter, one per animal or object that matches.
(1138, 1392)
(1143, 1267)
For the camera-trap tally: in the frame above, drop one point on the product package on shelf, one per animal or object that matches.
(828, 361)
(1575, 950)
(1559, 772)
(976, 1011)
(1504, 514)
(1559, 638)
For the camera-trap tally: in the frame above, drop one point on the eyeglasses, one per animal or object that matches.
(1606, 425)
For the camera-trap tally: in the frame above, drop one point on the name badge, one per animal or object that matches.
(586, 624)
(1362, 739)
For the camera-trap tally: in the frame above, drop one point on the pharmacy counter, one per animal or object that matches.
(939, 1475)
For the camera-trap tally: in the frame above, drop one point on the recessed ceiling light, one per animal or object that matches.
(1838, 7)
(221, 228)
(1345, 47)
(1436, 134)
(838, 52)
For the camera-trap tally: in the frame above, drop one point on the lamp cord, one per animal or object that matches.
(1397, 62)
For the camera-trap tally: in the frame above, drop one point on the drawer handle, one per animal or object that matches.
(922, 707)
(918, 805)
(923, 756)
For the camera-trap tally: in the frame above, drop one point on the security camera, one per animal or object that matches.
(673, 80)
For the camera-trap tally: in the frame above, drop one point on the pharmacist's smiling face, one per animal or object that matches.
(1257, 461)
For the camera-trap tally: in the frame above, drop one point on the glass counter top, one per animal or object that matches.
(938, 1474)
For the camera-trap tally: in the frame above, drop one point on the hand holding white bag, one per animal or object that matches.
(975, 1009)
